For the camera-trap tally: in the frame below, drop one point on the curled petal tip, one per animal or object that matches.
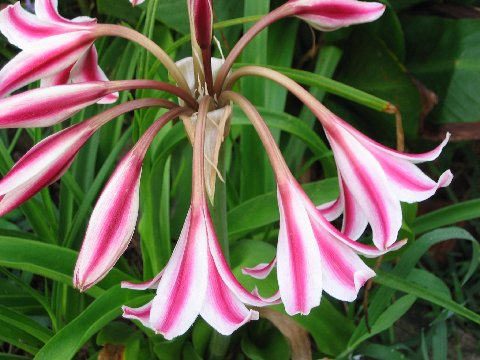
(361, 277)
(397, 245)
(260, 271)
(445, 179)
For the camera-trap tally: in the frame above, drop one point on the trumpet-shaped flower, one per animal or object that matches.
(114, 217)
(373, 180)
(196, 280)
(312, 255)
(55, 50)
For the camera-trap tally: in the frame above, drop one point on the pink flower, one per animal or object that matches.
(374, 180)
(196, 280)
(330, 15)
(114, 217)
(55, 50)
(312, 255)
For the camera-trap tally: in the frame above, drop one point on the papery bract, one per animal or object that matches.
(218, 123)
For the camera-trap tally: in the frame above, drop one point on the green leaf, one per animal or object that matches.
(66, 343)
(401, 284)
(369, 65)
(380, 300)
(50, 261)
(387, 318)
(330, 329)
(12, 357)
(19, 338)
(381, 352)
(448, 215)
(443, 54)
(24, 323)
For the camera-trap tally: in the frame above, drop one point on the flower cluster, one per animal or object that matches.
(312, 255)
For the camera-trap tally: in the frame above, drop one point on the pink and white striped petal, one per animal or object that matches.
(344, 273)
(141, 314)
(86, 69)
(328, 15)
(48, 106)
(47, 10)
(151, 284)
(298, 259)
(332, 209)
(408, 182)
(60, 78)
(43, 59)
(112, 223)
(41, 165)
(22, 28)
(320, 225)
(369, 186)
(261, 271)
(226, 274)
(181, 292)
(378, 148)
(354, 219)
(222, 309)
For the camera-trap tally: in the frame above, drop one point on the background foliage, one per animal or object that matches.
(421, 56)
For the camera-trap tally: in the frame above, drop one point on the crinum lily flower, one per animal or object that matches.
(197, 279)
(373, 178)
(312, 254)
